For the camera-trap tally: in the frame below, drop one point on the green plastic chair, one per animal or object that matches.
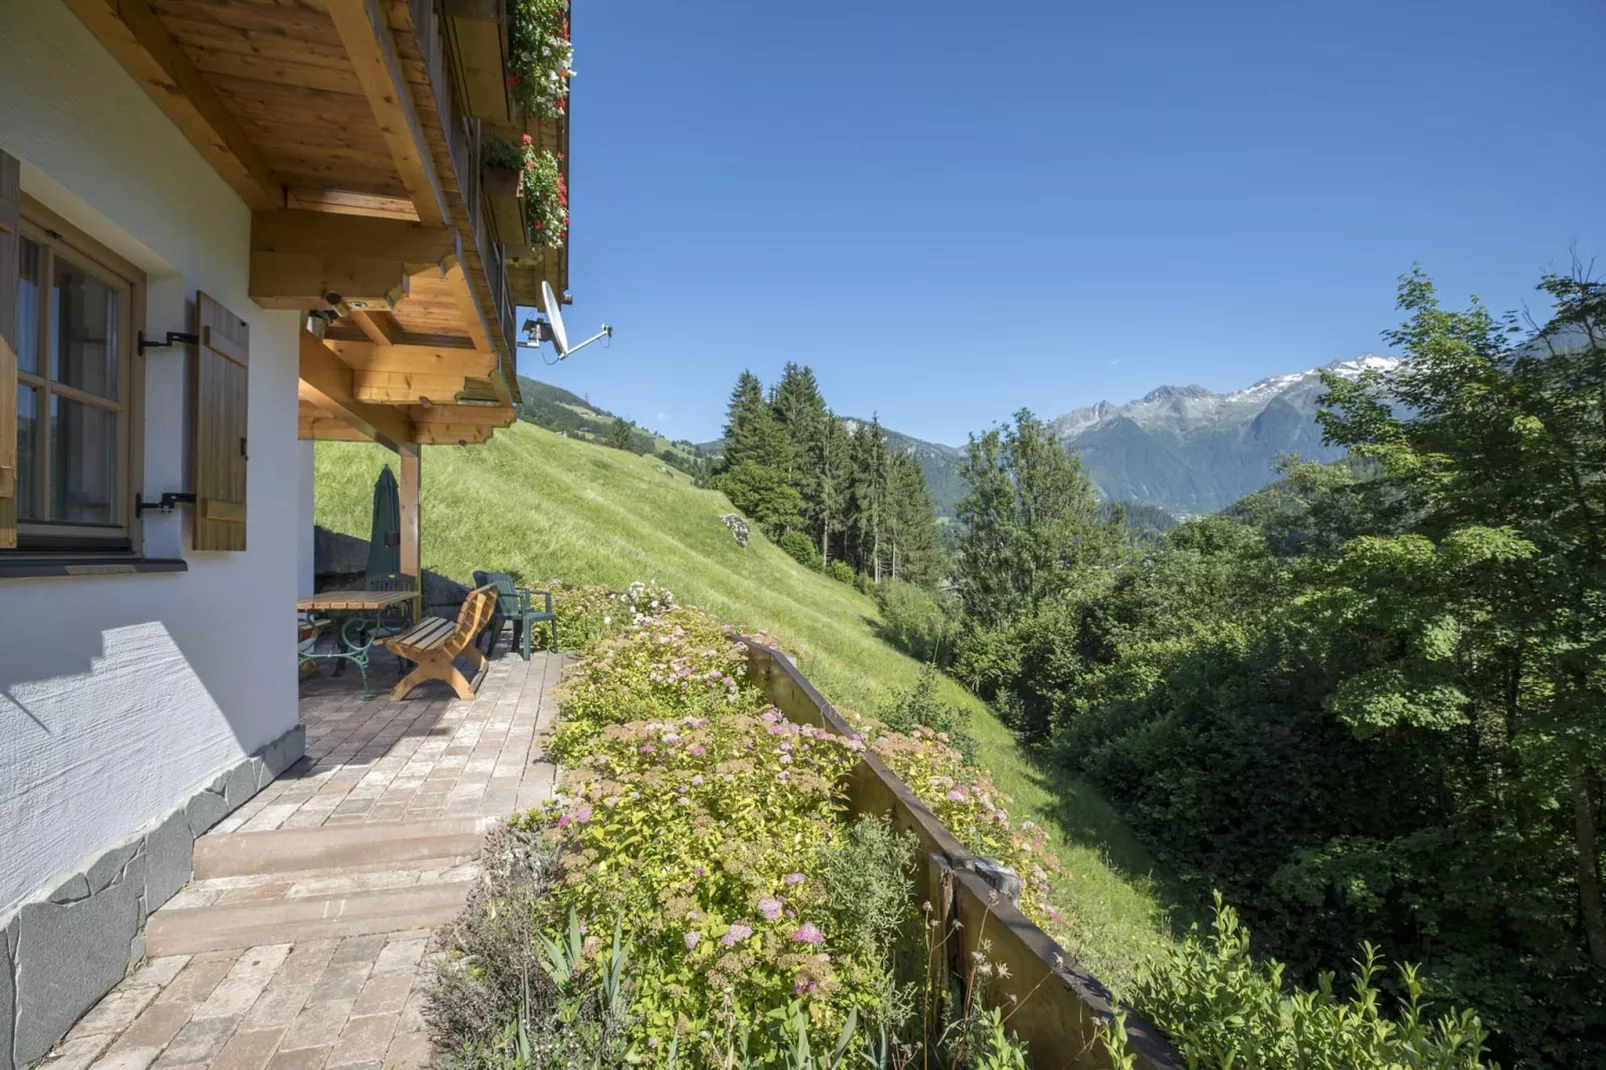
(515, 604)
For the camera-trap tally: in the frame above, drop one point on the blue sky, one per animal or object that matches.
(952, 210)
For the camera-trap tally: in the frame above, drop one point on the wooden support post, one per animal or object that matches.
(410, 561)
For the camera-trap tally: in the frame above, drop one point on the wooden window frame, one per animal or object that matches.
(66, 540)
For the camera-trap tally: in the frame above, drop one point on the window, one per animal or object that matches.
(75, 348)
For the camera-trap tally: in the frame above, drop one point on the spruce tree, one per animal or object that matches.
(869, 496)
(619, 436)
(751, 434)
(916, 550)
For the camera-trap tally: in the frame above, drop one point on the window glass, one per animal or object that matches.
(27, 455)
(28, 307)
(83, 463)
(83, 315)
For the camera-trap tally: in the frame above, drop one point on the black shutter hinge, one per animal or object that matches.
(164, 504)
(173, 338)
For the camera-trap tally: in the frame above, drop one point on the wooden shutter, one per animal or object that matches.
(10, 262)
(220, 393)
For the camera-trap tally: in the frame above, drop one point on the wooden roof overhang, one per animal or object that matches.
(354, 129)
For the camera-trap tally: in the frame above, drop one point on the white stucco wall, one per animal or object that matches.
(119, 695)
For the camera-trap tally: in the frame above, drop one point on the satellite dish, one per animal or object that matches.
(551, 328)
(560, 337)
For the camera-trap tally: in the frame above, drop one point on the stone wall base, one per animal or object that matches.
(64, 949)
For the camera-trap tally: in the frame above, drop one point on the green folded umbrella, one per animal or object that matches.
(384, 544)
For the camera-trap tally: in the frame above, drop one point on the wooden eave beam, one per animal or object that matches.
(365, 32)
(326, 382)
(135, 36)
(417, 245)
(413, 359)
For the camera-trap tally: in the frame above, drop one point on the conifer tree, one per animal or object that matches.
(869, 495)
(619, 436)
(751, 434)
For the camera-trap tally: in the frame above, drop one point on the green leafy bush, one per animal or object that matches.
(1222, 1008)
(920, 622)
(588, 614)
(920, 706)
(840, 571)
(763, 495)
(800, 548)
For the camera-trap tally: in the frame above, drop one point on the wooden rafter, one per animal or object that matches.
(134, 34)
(365, 33)
(377, 330)
(327, 383)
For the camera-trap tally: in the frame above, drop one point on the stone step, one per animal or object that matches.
(334, 847)
(224, 927)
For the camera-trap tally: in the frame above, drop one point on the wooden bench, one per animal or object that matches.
(435, 642)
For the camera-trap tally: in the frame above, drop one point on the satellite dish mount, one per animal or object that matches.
(551, 328)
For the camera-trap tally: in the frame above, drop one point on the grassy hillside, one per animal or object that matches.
(545, 506)
(556, 409)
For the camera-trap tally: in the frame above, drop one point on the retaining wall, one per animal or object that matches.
(1059, 1004)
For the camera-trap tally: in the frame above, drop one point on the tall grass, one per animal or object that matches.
(547, 507)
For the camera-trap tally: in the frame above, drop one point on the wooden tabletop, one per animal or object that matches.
(353, 601)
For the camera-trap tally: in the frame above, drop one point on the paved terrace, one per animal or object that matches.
(306, 937)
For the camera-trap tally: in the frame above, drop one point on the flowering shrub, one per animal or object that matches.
(965, 800)
(677, 664)
(588, 614)
(540, 56)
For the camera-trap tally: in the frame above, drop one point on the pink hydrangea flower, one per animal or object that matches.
(691, 939)
(671, 738)
(809, 934)
(738, 932)
(792, 879)
(582, 815)
(696, 749)
(697, 781)
(648, 748)
(770, 907)
(955, 795)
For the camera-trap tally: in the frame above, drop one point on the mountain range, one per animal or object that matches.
(1184, 449)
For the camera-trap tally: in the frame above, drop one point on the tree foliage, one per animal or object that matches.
(1370, 702)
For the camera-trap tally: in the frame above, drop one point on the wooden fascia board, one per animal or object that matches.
(415, 359)
(416, 245)
(326, 382)
(136, 38)
(365, 32)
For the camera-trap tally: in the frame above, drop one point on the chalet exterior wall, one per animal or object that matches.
(123, 697)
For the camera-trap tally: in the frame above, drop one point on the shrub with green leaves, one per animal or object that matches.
(840, 571)
(800, 548)
(920, 706)
(1222, 1007)
(922, 623)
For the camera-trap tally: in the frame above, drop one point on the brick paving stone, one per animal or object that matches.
(300, 1059)
(363, 949)
(400, 954)
(306, 962)
(408, 1051)
(246, 979)
(154, 1028)
(340, 980)
(198, 1041)
(249, 1049)
(279, 1005)
(157, 971)
(318, 1025)
(364, 1040)
(76, 1053)
(126, 1059)
(195, 981)
(383, 993)
(115, 1012)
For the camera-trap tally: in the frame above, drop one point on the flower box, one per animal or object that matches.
(504, 201)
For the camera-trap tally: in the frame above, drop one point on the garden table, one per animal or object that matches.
(364, 612)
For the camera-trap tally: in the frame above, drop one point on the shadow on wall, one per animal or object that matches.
(340, 562)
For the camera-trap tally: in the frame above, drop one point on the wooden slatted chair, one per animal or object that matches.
(434, 643)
